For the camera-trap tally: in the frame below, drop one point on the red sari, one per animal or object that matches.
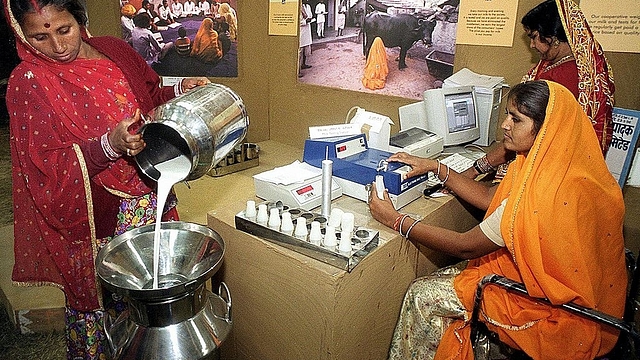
(67, 195)
(594, 86)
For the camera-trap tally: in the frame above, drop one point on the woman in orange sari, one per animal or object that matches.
(376, 69)
(554, 223)
(206, 46)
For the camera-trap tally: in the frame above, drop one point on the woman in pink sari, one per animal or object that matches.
(569, 55)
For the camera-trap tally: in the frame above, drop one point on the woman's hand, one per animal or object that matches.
(193, 82)
(418, 165)
(123, 141)
(382, 209)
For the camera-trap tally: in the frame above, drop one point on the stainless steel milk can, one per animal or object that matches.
(204, 124)
(179, 318)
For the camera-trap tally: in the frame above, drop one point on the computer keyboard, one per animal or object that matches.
(456, 162)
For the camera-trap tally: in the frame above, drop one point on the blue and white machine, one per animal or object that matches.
(355, 167)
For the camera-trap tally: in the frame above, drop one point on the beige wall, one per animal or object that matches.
(281, 109)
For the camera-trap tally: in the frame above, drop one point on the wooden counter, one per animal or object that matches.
(286, 305)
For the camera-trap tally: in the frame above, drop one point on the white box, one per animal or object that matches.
(376, 127)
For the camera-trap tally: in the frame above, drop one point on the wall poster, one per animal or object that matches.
(623, 143)
(615, 23)
(283, 17)
(181, 38)
(333, 35)
(487, 22)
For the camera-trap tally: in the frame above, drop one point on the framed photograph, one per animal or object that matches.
(367, 46)
(181, 38)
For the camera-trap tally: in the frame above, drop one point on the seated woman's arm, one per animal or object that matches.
(471, 191)
(497, 156)
(468, 245)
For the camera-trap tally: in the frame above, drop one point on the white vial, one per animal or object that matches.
(315, 236)
(345, 242)
(286, 225)
(301, 228)
(263, 217)
(250, 211)
(330, 241)
(335, 218)
(348, 220)
(274, 219)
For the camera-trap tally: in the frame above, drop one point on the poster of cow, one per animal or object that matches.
(419, 40)
(180, 38)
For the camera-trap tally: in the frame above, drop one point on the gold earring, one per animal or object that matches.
(556, 43)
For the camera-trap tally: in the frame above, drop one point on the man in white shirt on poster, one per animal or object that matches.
(177, 9)
(190, 8)
(205, 7)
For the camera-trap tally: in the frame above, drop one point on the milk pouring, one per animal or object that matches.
(161, 269)
(171, 172)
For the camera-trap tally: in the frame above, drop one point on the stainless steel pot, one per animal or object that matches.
(180, 319)
(204, 124)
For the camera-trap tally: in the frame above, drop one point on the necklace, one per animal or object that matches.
(562, 60)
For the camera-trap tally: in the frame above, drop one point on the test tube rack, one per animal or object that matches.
(363, 240)
(242, 157)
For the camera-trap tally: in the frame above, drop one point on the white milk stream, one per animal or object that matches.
(171, 172)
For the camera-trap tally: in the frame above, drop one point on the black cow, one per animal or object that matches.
(401, 30)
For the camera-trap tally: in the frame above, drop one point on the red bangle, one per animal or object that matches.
(396, 224)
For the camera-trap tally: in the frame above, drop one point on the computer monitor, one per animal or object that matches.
(448, 112)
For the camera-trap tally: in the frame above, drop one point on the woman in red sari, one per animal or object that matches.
(571, 56)
(71, 102)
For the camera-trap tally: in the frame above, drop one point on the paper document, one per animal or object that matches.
(466, 77)
(295, 172)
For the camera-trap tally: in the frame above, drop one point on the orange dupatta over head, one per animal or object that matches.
(376, 69)
(562, 226)
(206, 46)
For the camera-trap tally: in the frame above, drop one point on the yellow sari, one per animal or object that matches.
(376, 69)
(229, 15)
(206, 45)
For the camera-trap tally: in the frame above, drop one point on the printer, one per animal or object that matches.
(418, 142)
(355, 167)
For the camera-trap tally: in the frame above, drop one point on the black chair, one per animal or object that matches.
(487, 345)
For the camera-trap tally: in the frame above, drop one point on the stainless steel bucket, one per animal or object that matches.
(180, 319)
(204, 124)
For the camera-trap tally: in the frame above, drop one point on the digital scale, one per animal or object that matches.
(305, 195)
(355, 167)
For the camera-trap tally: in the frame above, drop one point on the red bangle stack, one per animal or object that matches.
(396, 224)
